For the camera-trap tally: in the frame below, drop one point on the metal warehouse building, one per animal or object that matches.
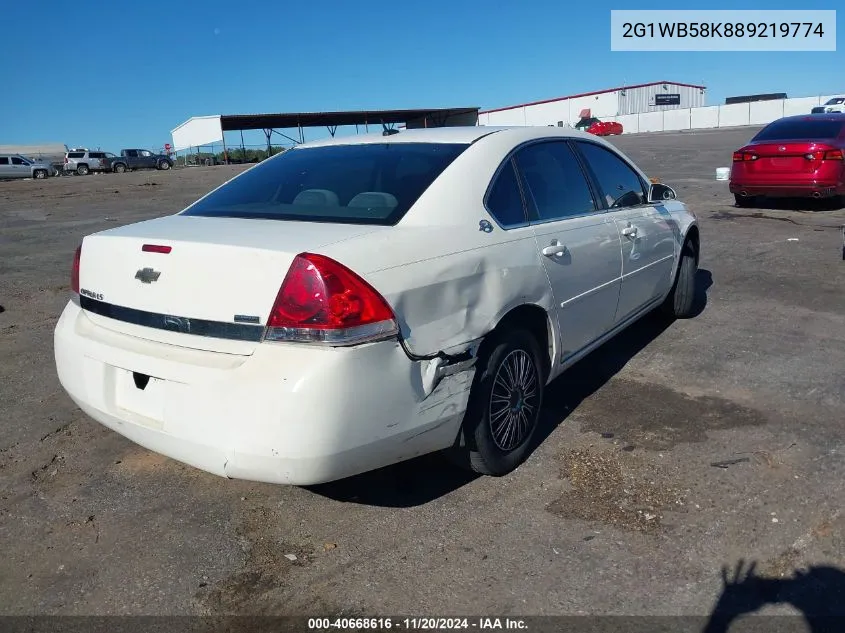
(603, 104)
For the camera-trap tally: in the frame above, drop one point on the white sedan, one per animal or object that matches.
(355, 302)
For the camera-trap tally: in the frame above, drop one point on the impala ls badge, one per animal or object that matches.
(147, 275)
(782, 148)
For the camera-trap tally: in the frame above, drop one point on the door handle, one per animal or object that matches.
(629, 231)
(555, 249)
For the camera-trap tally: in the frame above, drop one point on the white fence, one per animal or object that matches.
(736, 114)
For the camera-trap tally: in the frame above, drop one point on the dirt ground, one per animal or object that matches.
(668, 453)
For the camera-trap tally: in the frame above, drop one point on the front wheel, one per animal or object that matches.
(680, 303)
(504, 405)
(164, 165)
(40, 174)
(119, 168)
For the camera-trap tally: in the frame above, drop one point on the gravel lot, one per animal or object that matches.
(619, 511)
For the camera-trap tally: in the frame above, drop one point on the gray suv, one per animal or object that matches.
(16, 166)
(84, 162)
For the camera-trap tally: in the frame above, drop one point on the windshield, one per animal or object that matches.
(802, 129)
(350, 184)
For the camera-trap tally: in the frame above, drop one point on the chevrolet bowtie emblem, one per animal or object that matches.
(147, 275)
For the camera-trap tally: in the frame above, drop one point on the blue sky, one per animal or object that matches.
(122, 74)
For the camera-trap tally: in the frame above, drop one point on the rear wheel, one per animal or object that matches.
(746, 202)
(40, 174)
(82, 170)
(681, 300)
(504, 405)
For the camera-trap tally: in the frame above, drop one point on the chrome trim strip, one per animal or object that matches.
(172, 323)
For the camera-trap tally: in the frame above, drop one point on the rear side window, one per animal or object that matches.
(620, 185)
(504, 202)
(350, 184)
(802, 129)
(4, 160)
(555, 183)
(76, 155)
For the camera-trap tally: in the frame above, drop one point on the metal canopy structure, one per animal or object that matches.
(199, 131)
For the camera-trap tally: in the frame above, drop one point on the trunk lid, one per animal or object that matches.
(783, 158)
(219, 278)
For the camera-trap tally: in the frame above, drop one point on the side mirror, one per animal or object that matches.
(659, 192)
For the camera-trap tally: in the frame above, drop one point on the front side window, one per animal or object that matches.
(17, 160)
(353, 184)
(620, 185)
(554, 181)
(504, 202)
(146, 153)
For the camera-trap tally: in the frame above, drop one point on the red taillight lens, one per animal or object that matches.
(156, 248)
(321, 300)
(743, 156)
(834, 154)
(74, 271)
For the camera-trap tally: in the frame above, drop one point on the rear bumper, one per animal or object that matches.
(789, 190)
(286, 414)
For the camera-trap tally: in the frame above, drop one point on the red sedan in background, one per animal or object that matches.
(797, 156)
(605, 128)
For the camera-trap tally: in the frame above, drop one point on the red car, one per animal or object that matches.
(797, 156)
(605, 128)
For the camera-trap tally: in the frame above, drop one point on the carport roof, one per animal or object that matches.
(330, 119)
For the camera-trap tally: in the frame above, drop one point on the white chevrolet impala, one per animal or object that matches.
(356, 302)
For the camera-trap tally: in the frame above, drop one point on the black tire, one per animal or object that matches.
(165, 165)
(82, 170)
(680, 303)
(40, 174)
(745, 202)
(119, 168)
(488, 448)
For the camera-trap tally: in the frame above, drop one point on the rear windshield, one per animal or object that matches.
(802, 129)
(348, 184)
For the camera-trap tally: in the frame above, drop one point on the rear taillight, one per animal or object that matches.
(322, 301)
(831, 154)
(74, 271)
(743, 156)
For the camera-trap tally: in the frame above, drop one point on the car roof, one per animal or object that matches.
(822, 116)
(459, 134)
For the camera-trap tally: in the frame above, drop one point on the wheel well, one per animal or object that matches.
(533, 319)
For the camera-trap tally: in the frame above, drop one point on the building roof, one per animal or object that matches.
(331, 119)
(589, 94)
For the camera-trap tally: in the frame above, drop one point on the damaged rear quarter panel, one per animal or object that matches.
(448, 282)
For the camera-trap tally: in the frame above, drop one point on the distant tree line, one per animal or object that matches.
(236, 155)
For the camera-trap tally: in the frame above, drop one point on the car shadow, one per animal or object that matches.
(818, 593)
(421, 480)
(798, 204)
(591, 373)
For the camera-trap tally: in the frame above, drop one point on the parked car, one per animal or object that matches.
(83, 161)
(837, 104)
(797, 156)
(139, 159)
(594, 126)
(358, 301)
(16, 166)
